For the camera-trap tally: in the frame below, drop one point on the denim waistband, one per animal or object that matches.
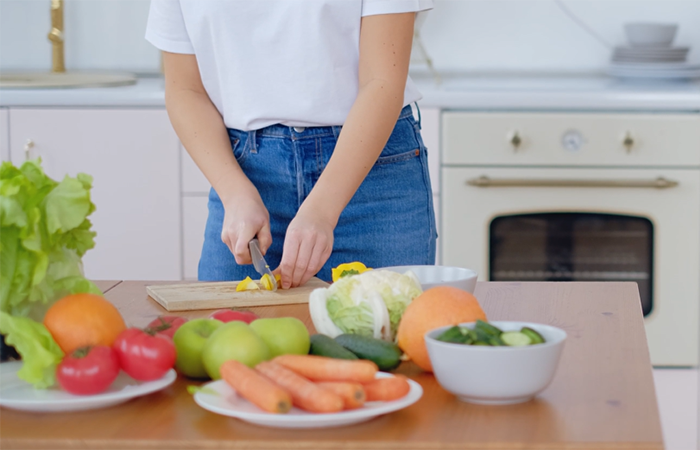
(284, 131)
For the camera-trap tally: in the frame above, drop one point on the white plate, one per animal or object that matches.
(20, 395)
(227, 403)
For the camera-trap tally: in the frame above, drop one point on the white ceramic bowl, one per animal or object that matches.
(651, 34)
(431, 276)
(496, 375)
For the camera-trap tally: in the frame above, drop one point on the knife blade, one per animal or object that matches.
(259, 262)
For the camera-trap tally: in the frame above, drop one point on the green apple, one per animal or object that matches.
(233, 340)
(283, 335)
(189, 342)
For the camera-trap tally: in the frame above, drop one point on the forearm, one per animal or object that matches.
(202, 132)
(366, 131)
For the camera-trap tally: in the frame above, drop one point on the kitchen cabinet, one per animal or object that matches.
(132, 155)
(4, 135)
(194, 220)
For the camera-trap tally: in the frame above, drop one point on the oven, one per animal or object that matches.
(581, 197)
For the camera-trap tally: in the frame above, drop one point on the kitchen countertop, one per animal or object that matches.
(458, 91)
(602, 395)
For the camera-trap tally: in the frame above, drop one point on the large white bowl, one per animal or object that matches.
(431, 276)
(651, 34)
(496, 375)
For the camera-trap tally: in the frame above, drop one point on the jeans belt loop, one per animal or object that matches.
(253, 139)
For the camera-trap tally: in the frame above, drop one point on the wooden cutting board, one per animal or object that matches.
(215, 295)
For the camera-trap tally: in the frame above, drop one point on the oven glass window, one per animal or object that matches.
(573, 247)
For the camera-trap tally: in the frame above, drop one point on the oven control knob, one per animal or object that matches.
(572, 140)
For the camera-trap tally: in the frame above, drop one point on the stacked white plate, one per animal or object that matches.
(651, 54)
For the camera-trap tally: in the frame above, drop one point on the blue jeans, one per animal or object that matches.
(389, 221)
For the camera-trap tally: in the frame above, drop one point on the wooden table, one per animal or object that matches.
(602, 396)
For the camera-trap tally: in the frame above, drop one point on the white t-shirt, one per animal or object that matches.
(264, 62)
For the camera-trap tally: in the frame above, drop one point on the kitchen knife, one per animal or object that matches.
(259, 262)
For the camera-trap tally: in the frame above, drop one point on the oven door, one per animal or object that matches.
(535, 224)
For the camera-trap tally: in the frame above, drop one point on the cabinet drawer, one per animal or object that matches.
(571, 139)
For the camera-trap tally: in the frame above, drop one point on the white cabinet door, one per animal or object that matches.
(132, 154)
(4, 135)
(194, 219)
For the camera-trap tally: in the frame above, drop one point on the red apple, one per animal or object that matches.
(229, 315)
(166, 325)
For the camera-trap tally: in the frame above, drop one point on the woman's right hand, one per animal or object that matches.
(245, 217)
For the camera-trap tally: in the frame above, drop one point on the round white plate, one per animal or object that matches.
(225, 401)
(20, 395)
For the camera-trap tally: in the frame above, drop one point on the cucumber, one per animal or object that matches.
(533, 335)
(454, 335)
(487, 328)
(515, 339)
(323, 345)
(384, 354)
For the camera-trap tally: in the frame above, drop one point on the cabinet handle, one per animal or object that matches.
(27, 147)
(628, 141)
(515, 140)
(484, 181)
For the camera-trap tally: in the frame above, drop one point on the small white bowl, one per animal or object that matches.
(651, 34)
(431, 276)
(496, 375)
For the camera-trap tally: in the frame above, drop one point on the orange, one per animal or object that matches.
(80, 320)
(437, 307)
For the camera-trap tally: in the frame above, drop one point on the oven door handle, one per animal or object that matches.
(485, 181)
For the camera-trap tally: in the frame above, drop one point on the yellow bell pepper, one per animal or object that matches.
(247, 284)
(353, 268)
(266, 282)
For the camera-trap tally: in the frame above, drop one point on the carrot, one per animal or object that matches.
(255, 388)
(387, 389)
(321, 368)
(305, 394)
(353, 394)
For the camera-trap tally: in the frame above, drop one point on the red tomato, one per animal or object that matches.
(229, 315)
(88, 370)
(144, 356)
(166, 325)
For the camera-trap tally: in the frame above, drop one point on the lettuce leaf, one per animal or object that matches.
(40, 353)
(44, 232)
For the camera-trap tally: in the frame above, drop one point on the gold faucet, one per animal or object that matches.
(56, 37)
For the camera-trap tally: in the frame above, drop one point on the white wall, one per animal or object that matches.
(99, 34)
(475, 35)
(536, 35)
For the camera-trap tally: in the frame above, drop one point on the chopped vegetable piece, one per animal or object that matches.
(533, 335)
(247, 284)
(515, 339)
(266, 282)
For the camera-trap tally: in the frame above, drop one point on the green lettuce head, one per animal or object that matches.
(44, 232)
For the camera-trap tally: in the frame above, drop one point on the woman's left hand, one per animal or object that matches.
(307, 247)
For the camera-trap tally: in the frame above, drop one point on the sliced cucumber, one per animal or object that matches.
(487, 328)
(454, 335)
(533, 335)
(515, 339)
